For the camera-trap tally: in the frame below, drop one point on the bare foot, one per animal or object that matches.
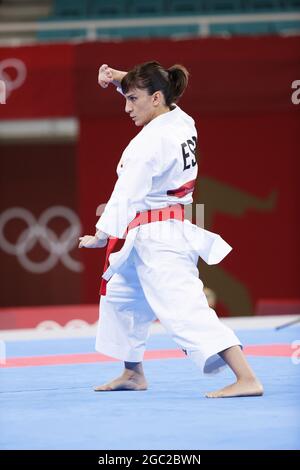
(129, 381)
(242, 388)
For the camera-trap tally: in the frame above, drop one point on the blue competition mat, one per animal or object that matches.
(54, 406)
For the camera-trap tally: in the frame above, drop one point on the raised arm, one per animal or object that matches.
(108, 75)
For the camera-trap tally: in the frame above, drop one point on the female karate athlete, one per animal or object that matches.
(155, 275)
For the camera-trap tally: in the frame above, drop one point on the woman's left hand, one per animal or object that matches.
(105, 76)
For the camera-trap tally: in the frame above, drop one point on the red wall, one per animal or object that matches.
(240, 96)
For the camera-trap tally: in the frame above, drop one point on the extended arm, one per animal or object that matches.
(99, 240)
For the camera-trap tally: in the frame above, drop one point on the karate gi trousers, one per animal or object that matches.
(160, 280)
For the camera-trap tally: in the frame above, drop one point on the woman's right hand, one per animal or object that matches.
(91, 241)
(105, 76)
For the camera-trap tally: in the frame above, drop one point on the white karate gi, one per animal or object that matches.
(155, 274)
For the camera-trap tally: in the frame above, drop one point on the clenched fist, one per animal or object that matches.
(105, 76)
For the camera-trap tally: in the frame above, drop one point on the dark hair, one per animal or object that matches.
(152, 76)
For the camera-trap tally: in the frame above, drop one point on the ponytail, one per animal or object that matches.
(178, 77)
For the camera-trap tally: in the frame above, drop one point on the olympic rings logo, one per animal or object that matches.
(20, 74)
(38, 231)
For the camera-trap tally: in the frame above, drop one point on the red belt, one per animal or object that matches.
(146, 217)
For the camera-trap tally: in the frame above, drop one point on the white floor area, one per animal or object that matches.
(79, 328)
